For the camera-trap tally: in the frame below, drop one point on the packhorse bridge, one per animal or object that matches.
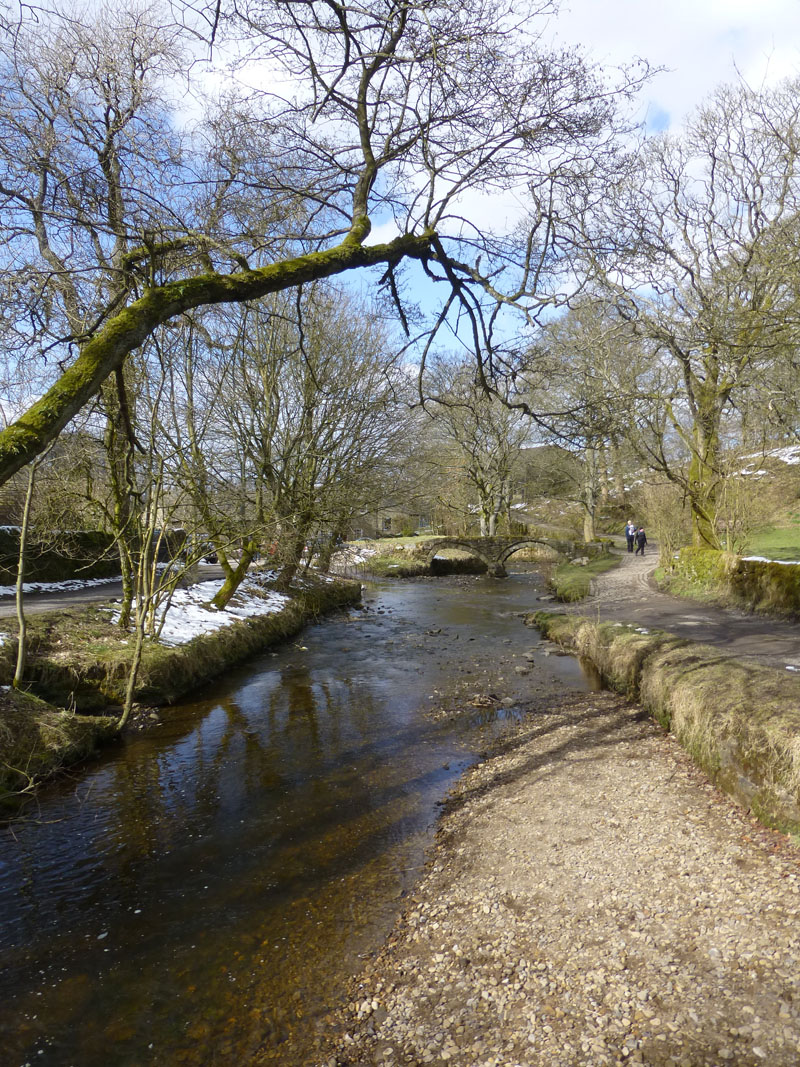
(494, 551)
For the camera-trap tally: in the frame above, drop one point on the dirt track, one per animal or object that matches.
(627, 594)
(592, 900)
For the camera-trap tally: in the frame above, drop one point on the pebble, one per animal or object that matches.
(591, 902)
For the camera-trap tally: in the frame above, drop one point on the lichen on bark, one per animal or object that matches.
(129, 327)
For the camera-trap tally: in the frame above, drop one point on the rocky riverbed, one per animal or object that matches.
(591, 900)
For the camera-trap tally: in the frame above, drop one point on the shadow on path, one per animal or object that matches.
(628, 594)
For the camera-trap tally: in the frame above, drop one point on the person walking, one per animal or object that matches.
(630, 534)
(641, 541)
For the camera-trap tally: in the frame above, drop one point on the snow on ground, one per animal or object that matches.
(765, 559)
(189, 616)
(352, 554)
(789, 454)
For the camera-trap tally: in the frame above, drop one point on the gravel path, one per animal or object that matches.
(591, 900)
(628, 594)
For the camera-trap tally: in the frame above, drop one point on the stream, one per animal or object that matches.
(201, 893)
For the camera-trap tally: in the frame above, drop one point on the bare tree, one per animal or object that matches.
(584, 377)
(113, 225)
(311, 397)
(709, 283)
(482, 436)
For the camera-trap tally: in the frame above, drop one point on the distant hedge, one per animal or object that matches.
(56, 557)
(772, 588)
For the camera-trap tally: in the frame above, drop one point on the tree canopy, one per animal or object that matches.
(119, 214)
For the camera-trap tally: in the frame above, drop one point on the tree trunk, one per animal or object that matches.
(589, 493)
(234, 576)
(22, 641)
(704, 472)
(329, 545)
(133, 674)
(129, 328)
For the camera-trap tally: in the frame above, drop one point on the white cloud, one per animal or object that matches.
(702, 43)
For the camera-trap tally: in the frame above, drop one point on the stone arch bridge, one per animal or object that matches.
(494, 551)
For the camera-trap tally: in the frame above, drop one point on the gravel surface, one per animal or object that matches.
(628, 594)
(591, 900)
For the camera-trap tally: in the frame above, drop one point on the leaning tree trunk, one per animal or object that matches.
(234, 576)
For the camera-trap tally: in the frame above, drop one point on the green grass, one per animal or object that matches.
(571, 582)
(776, 542)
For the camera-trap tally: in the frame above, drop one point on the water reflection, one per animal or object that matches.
(200, 895)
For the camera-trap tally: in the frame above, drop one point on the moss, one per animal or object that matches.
(396, 566)
(739, 721)
(719, 577)
(131, 325)
(36, 740)
(571, 582)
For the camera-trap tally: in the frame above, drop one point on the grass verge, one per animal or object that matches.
(571, 581)
(37, 739)
(776, 542)
(739, 721)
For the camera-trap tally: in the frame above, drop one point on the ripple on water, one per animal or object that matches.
(202, 893)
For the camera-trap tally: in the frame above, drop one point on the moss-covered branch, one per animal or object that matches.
(130, 327)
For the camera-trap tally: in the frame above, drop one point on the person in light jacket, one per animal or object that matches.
(630, 534)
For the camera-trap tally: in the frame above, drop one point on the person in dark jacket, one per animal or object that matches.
(641, 540)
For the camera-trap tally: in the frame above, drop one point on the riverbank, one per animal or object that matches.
(591, 900)
(740, 722)
(78, 667)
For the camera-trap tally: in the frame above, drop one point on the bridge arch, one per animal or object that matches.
(494, 551)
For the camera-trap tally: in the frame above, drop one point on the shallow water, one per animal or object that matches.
(201, 893)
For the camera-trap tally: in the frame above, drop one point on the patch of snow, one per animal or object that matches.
(764, 559)
(189, 615)
(788, 454)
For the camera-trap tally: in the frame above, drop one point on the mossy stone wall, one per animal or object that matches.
(739, 721)
(772, 588)
(77, 554)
